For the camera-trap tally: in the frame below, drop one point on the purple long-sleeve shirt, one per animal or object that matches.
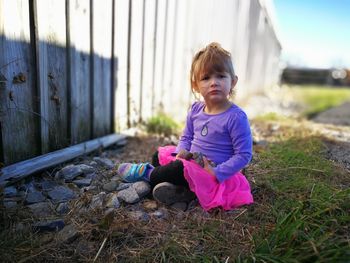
(224, 138)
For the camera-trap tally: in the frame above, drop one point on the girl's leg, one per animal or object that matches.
(172, 172)
(155, 160)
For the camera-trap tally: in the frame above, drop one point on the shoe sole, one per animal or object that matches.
(169, 194)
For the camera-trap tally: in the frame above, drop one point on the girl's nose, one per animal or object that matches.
(213, 81)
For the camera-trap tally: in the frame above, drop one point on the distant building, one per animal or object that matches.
(332, 77)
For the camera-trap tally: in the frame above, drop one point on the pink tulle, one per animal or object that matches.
(230, 194)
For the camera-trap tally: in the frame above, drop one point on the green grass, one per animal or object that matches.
(162, 124)
(318, 99)
(310, 208)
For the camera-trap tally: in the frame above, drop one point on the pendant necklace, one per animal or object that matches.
(204, 130)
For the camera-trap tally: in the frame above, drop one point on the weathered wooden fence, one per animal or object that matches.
(75, 70)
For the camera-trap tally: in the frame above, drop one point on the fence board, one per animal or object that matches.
(121, 54)
(79, 65)
(18, 110)
(102, 50)
(52, 72)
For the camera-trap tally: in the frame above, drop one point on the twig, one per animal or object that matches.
(99, 251)
(290, 168)
(241, 213)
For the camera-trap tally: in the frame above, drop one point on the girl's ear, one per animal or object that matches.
(234, 82)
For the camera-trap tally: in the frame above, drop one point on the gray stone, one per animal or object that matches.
(129, 195)
(48, 226)
(112, 201)
(69, 172)
(34, 197)
(10, 191)
(48, 185)
(93, 163)
(97, 200)
(42, 209)
(110, 186)
(82, 182)
(161, 214)
(105, 162)
(91, 176)
(61, 194)
(10, 204)
(62, 208)
(123, 186)
(68, 234)
(139, 215)
(28, 187)
(87, 169)
(88, 188)
(142, 188)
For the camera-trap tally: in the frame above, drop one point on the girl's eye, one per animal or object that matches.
(222, 76)
(205, 77)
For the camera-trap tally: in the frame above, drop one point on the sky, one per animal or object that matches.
(314, 33)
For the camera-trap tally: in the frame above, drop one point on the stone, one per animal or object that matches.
(69, 172)
(142, 188)
(112, 201)
(129, 195)
(10, 191)
(88, 188)
(62, 208)
(42, 209)
(48, 226)
(139, 215)
(87, 169)
(82, 182)
(91, 176)
(105, 162)
(48, 185)
(34, 197)
(9, 204)
(97, 200)
(110, 186)
(68, 234)
(61, 194)
(150, 205)
(123, 186)
(161, 214)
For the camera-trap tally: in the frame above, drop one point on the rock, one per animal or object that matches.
(42, 209)
(182, 206)
(161, 214)
(9, 204)
(28, 187)
(97, 200)
(48, 185)
(87, 169)
(82, 182)
(93, 163)
(91, 176)
(105, 162)
(88, 188)
(61, 194)
(139, 215)
(69, 172)
(48, 226)
(123, 186)
(34, 197)
(142, 188)
(150, 205)
(62, 208)
(129, 195)
(110, 186)
(10, 191)
(112, 201)
(68, 234)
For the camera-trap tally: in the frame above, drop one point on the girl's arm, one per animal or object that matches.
(186, 138)
(240, 133)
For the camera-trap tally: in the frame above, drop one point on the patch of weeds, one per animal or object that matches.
(162, 125)
(271, 116)
(309, 207)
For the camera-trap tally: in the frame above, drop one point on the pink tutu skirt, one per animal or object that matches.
(230, 194)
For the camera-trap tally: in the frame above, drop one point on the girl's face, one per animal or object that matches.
(215, 87)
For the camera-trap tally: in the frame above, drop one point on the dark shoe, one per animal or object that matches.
(169, 194)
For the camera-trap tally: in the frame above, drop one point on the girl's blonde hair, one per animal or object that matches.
(212, 59)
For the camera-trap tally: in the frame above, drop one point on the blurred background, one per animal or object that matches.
(75, 70)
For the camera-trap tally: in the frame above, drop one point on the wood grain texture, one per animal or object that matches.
(18, 99)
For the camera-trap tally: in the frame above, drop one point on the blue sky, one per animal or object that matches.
(314, 33)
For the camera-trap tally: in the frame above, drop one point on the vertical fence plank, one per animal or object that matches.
(121, 52)
(102, 50)
(79, 65)
(52, 72)
(18, 111)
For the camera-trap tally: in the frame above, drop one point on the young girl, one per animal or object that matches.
(215, 145)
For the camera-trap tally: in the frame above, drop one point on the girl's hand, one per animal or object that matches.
(184, 154)
(208, 167)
